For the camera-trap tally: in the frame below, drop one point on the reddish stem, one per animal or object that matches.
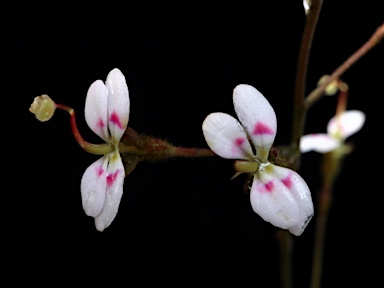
(100, 149)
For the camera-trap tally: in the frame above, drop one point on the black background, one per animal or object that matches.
(179, 68)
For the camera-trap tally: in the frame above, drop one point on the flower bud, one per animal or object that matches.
(43, 107)
(331, 88)
(246, 166)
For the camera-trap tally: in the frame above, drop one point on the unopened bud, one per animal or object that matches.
(43, 107)
(246, 166)
(331, 88)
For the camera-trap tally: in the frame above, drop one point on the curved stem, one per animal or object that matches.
(97, 149)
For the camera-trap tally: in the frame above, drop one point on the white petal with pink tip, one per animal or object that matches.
(256, 115)
(226, 137)
(118, 104)
(300, 191)
(93, 186)
(273, 201)
(96, 109)
(113, 193)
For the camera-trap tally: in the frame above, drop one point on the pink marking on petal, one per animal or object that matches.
(100, 124)
(261, 128)
(115, 120)
(239, 141)
(287, 181)
(269, 186)
(236, 148)
(99, 171)
(111, 178)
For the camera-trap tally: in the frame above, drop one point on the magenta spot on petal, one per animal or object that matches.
(287, 181)
(111, 178)
(100, 123)
(99, 171)
(239, 141)
(269, 186)
(115, 120)
(261, 128)
(237, 151)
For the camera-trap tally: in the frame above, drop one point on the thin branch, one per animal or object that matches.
(372, 42)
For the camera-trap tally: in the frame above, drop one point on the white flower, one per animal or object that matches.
(279, 195)
(106, 113)
(338, 129)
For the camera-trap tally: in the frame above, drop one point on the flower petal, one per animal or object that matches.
(256, 115)
(114, 191)
(300, 191)
(273, 201)
(118, 104)
(319, 142)
(226, 137)
(96, 109)
(93, 187)
(348, 123)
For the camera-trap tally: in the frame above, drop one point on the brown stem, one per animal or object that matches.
(372, 42)
(191, 152)
(285, 253)
(156, 149)
(320, 232)
(330, 170)
(301, 74)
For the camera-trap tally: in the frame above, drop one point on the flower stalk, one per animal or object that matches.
(151, 148)
(299, 113)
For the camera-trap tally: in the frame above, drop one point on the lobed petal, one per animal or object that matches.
(93, 187)
(256, 115)
(300, 191)
(319, 142)
(96, 109)
(226, 137)
(348, 123)
(273, 201)
(114, 191)
(118, 104)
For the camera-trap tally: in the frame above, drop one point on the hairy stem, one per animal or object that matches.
(191, 152)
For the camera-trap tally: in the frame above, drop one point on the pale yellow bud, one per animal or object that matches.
(43, 107)
(246, 166)
(331, 88)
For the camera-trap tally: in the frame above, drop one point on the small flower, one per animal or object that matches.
(279, 195)
(106, 113)
(338, 129)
